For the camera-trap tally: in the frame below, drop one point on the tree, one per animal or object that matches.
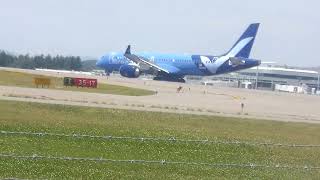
(40, 61)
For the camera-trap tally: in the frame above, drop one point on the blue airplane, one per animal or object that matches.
(174, 67)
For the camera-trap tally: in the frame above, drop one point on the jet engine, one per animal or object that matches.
(130, 71)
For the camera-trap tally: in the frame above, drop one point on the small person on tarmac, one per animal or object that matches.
(242, 107)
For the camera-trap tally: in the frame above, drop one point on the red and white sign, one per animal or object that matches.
(85, 82)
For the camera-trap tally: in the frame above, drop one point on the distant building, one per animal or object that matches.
(266, 77)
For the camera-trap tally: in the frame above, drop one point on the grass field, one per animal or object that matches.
(34, 117)
(10, 78)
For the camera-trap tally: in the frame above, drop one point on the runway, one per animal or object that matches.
(193, 99)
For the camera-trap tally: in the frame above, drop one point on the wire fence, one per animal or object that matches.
(171, 139)
(162, 162)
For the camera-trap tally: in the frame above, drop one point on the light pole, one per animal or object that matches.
(257, 74)
(318, 81)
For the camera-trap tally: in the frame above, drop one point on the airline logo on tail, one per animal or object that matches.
(239, 46)
(240, 49)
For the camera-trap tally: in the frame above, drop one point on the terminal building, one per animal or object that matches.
(268, 78)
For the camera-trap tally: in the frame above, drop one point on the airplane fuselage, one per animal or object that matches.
(179, 64)
(176, 66)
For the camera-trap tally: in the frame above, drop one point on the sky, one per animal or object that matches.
(289, 32)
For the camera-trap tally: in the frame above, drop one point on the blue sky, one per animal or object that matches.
(289, 31)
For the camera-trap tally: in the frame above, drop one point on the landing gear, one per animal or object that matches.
(171, 79)
(107, 72)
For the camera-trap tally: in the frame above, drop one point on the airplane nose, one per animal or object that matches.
(100, 62)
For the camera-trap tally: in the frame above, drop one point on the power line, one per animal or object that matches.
(171, 139)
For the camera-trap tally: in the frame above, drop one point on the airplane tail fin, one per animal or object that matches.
(242, 47)
(128, 50)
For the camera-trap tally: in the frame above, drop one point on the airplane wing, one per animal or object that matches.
(139, 59)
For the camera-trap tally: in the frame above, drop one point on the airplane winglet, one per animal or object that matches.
(128, 50)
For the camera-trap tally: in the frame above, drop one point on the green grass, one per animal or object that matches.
(35, 117)
(10, 78)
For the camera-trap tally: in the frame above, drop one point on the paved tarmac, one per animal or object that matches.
(193, 99)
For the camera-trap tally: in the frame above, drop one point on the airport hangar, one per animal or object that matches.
(269, 77)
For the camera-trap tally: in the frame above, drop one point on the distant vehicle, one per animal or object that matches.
(173, 67)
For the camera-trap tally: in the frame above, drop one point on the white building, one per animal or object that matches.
(266, 77)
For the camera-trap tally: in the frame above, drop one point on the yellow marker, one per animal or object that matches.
(42, 81)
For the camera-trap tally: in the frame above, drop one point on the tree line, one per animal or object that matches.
(40, 61)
